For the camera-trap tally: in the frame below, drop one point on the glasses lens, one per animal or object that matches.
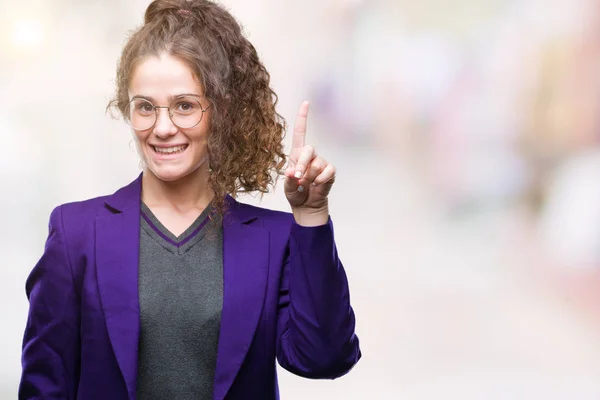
(141, 114)
(186, 112)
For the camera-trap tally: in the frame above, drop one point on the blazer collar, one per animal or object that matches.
(126, 197)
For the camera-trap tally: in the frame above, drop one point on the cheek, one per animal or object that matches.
(199, 137)
(140, 136)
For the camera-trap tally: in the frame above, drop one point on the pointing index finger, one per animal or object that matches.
(299, 136)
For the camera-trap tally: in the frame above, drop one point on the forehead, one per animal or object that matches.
(161, 77)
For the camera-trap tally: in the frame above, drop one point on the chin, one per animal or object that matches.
(169, 175)
(172, 174)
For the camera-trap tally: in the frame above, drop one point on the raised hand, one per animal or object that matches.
(309, 177)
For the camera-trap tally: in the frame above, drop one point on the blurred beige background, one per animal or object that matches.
(467, 138)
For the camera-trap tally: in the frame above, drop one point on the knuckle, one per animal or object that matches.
(320, 165)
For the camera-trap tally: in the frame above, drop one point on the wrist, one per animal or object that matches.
(311, 217)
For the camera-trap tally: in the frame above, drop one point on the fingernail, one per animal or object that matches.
(301, 188)
(298, 174)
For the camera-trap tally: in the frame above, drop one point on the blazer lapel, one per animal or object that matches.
(245, 272)
(117, 258)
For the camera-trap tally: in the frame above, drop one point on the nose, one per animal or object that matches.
(164, 127)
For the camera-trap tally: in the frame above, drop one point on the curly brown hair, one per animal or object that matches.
(245, 146)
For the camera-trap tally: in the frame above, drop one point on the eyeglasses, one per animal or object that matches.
(185, 112)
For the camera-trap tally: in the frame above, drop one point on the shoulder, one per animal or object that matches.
(76, 219)
(79, 212)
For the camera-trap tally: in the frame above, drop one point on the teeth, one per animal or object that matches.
(169, 150)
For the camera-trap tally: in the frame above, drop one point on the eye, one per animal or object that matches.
(186, 106)
(144, 107)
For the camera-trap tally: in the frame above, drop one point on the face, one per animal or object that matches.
(170, 152)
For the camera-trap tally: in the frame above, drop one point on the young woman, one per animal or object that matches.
(170, 288)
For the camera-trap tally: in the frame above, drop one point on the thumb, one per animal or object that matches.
(292, 183)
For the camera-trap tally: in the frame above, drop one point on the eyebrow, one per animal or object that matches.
(170, 98)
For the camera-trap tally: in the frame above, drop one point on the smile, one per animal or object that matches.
(170, 150)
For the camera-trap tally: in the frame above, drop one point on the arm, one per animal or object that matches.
(315, 328)
(50, 357)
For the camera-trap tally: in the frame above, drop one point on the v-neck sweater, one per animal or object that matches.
(180, 283)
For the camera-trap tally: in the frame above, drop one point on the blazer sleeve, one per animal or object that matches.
(315, 327)
(51, 346)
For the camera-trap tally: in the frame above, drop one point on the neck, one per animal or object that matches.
(187, 193)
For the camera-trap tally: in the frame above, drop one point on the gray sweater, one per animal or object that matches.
(181, 295)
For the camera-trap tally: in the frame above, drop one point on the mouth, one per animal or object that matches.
(168, 151)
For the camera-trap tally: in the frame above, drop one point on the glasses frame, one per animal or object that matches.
(168, 111)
